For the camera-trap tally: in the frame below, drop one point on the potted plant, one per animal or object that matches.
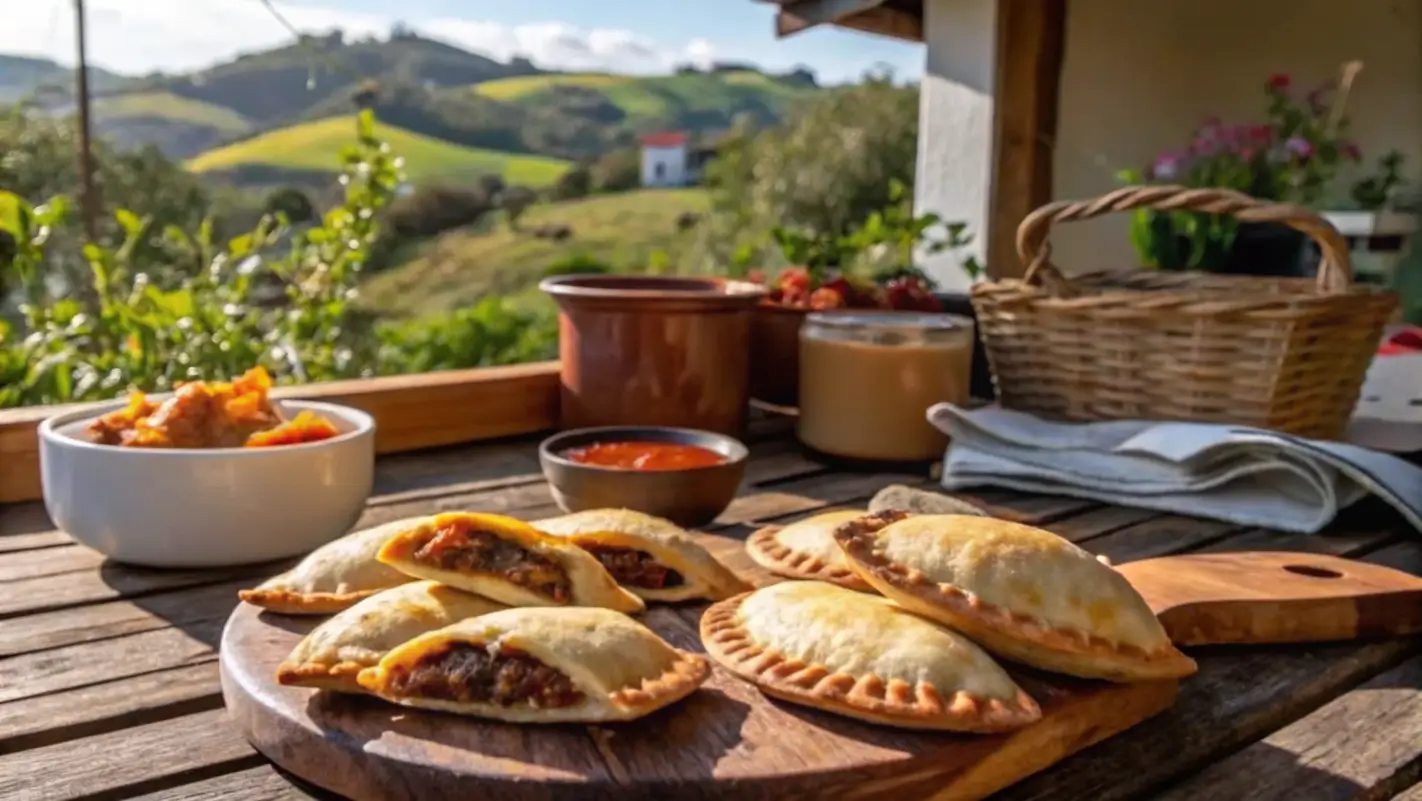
(1294, 156)
(872, 267)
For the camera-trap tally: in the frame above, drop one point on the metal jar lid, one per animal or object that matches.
(887, 327)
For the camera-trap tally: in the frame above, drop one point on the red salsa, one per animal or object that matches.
(645, 455)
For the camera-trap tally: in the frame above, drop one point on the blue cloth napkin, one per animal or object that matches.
(1240, 475)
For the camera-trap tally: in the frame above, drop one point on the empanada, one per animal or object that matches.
(507, 560)
(338, 649)
(651, 557)
(861, 656)
(334, 576)
(807, 550)
(1020, 592)
(539, 665)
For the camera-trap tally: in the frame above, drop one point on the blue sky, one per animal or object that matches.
(645, 36)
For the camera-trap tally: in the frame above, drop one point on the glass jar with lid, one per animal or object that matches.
(867, 380)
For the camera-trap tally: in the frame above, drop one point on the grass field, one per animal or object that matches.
(166, 105)
(459, 267)
(315, 145)
(524, 85)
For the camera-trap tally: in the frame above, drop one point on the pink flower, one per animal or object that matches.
(1350, 150)
(1279, 81)
(1300, 147)
(1166, 166)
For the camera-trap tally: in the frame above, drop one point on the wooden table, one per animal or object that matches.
(109, 690)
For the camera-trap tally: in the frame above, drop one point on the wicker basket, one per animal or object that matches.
(1286, 354)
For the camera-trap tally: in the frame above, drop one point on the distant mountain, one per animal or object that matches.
(418, 85)
(23, 76)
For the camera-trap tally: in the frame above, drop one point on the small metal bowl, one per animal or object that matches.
(689, 497)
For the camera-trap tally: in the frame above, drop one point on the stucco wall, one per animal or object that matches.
(672, 161)
(955, 135)
(1138, 76)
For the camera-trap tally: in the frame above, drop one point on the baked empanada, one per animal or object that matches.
(651, 557)
(334, 576)
(507, 560)
(334, 652)
(861, 656)
(807, 550)
(539, 665)
(1020, 592)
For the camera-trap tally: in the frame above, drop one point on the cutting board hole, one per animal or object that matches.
(1313, 572)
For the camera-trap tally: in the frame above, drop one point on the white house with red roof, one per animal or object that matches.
(666, 159)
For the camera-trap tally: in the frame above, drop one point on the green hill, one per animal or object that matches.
(459, 267)
(277, 85)
(169, 106)
(313, 147)
(21, 76)
(696, 101)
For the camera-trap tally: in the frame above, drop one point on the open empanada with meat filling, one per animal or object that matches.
(334, 576)
(507, 560)
(336, 651)
(651, 557)
(1020, 592)
(539, 665)
(860, 655)
(807, 550)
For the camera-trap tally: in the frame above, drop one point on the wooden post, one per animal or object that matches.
(89, 199)
(1031, 37)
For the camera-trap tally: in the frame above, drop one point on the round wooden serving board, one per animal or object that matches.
(725, 741)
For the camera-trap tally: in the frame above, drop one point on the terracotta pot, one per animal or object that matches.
(775, 354)
(659, 351)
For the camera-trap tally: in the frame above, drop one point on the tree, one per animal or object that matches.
(827, 168)
(618, 170)
(515, 200)
(575, 183)
(292, 202)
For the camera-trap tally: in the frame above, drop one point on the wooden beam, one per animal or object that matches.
(1031, 42)
(411, 412)
(870, 16)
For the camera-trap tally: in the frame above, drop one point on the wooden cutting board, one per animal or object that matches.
(729, 741)
(725, 741)
(1275, 597)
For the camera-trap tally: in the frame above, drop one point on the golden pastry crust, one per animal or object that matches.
(1021, 592)
(580, 579)
(620, 669)
(702, 576)
(335, 576)
(806, 550)
(336, 651)
(861, 656)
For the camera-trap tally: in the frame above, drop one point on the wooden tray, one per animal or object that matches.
(725, 741)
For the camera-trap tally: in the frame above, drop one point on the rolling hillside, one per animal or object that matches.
(688, 99)
(459, 267)
(313, 147)
(169, 106)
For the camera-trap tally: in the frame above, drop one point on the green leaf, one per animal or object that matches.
(129, 222)
(15, 216)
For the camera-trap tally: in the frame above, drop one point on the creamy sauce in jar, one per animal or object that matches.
(867, 380)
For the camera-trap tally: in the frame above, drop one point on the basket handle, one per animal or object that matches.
(1335, 270)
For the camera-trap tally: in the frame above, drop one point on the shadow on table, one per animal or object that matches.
(197, 602)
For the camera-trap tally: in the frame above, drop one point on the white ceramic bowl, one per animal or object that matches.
(207, 508)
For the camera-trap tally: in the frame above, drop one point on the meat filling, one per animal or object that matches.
(462, 550)
(633, 568)
(467, 673)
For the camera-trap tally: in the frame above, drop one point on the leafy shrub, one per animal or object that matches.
(618, 171)
(124, 331)
(292, 202)
(434, 209)
(573, 184)
(578, 263)
(515, 200)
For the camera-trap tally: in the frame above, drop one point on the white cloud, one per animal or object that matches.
(172, 35)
